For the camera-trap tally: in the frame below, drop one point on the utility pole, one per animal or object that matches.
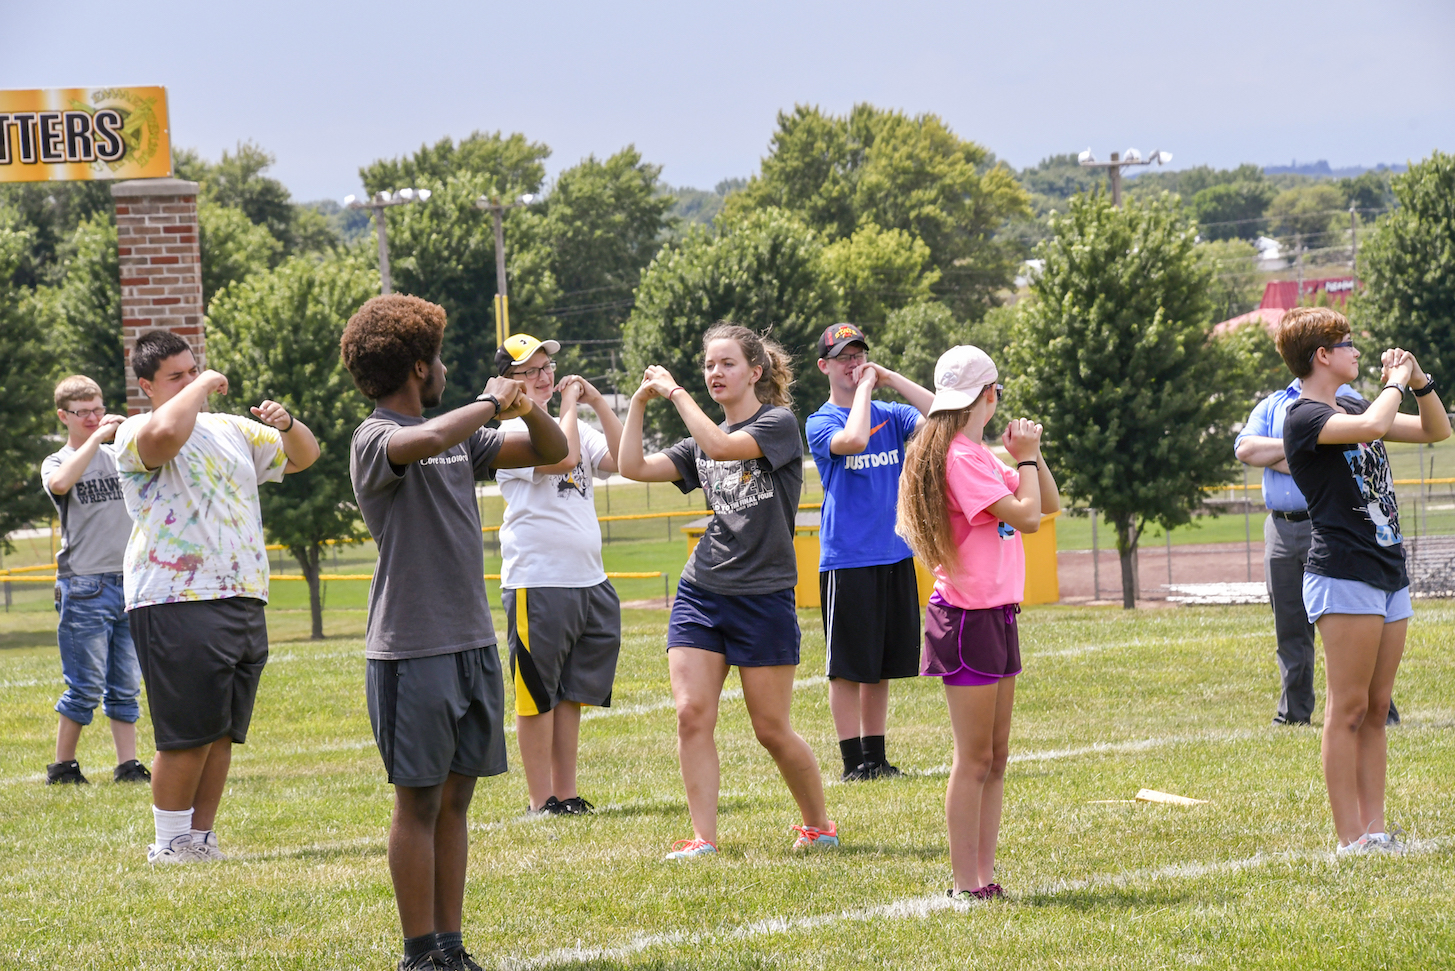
(496, 208)
(377, 204)
(1118, 162)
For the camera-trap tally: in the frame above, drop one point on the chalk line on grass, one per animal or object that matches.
(1110, 748)
(646, 708)
(920, 907)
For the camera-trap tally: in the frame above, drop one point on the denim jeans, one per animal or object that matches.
(98, 660)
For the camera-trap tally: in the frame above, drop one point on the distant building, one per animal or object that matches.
(1281, 296)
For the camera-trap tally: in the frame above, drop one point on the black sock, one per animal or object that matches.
(853, 753)
(417, 947)
(449, 941)
(873, 749)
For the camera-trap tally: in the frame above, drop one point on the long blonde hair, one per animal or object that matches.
(773, 388)
(924, 491)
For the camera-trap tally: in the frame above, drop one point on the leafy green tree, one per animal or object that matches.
(276, 335)
(1408, 268)
(912, 338)
(1258, 359)
(1369, 191)
(232, 247)
(1233, 282)
(1308, 211)
(879, 270)
(236, 181)
(1232, 210)
(911, 174)
(25, 394)
(86, 335)
(510, 164)
(1112, 353)
(764, 271)
(1188, 182)
(47, 214)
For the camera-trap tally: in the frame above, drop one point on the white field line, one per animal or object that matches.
(1111, 748)
(729, 694)
(917, 907)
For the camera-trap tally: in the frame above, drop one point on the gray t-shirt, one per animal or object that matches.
(428, 594)
(748, 546)
(94, 523)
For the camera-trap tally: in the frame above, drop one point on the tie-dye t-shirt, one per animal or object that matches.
(198, 531)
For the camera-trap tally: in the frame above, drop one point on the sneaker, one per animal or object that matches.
(861, 773)
(132, 771)
(576, 806)
(461, 960)
(686, 849)
(1363, 846)
(65, 773)
(881, 770)
(551, 807)
(1392, 841)
(993, 891)
(810, 837)
(179, 850)
(435, 960)
(969, 896)
(207, 849)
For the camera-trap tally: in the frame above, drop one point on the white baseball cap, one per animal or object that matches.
(961, 374)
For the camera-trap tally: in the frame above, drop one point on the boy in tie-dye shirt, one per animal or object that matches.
(196, 577)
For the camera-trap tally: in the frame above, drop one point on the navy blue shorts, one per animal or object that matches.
(751, 631)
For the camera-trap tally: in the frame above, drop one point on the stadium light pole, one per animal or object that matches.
(1118, 162)
(377, 203)
(496, 208)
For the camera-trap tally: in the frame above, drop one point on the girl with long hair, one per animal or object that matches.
(962, 511)
(735, 603)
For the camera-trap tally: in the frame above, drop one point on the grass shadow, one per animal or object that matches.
(16, 640)
(1117, 898)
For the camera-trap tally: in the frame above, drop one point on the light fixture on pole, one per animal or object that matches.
(496, 208)
(1118, 162)
(378, 203)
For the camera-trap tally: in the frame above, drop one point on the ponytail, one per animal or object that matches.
(773, 388)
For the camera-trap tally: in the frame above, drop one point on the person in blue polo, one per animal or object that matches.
(868, 592)
(1286, 535)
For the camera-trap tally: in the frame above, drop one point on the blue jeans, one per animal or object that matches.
(98, 660)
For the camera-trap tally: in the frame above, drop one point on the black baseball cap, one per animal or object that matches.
(833, 339)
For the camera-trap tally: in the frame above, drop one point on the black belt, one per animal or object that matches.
(1292, 517)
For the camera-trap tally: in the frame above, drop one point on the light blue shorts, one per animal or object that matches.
(1327, 595)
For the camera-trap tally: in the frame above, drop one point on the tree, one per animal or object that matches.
(232, 247)
(86, 338)
(1369, 191)
(276, 335)
(878, 270)
(1308, 211)
(912, 339)
(25, 399)
(1233, 282)
(1232, 210)
(236, 181)
(47, 214)
(1408, 268)
(764, 271)
(898, 172)
(1112, 354)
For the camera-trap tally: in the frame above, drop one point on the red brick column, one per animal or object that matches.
(161, 267)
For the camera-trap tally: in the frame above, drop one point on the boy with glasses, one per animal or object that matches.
(867, 584)
(98, 660)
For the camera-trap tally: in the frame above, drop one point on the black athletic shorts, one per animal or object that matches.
(871, 621)
(200, 661)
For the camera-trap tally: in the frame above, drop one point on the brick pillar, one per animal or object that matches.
(161, 267)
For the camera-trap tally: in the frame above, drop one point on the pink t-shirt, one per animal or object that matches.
(992, 560)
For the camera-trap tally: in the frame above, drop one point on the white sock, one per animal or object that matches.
(171, 824)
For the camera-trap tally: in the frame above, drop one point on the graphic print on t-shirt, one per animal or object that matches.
(736, 485)
(576, 482)
(1370, 465)
(1006, 530)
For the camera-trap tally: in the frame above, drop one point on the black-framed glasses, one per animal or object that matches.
(999, 392)
(1348, 343)
(86, 412)
(529, 374)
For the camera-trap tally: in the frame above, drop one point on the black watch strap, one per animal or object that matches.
(494, 401)
(1429, 387)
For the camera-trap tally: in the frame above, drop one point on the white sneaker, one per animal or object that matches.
(207, 849)
(1363, 846)
(179, 850)
(1390, 842)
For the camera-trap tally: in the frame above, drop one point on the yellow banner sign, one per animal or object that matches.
(80, 134)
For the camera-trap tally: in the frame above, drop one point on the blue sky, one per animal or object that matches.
(328, 87)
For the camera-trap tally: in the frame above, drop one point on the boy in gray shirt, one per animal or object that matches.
(433, 682)
(98, 660)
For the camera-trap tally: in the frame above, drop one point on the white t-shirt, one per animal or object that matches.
(550, 536)
(199, 526)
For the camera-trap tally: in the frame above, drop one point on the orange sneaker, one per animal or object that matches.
(686, 849)
(809, 837)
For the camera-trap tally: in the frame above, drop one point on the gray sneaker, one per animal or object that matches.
(179, 850)
(1392, 841)
(206, 848)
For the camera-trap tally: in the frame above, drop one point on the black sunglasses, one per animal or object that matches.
(1314, 353)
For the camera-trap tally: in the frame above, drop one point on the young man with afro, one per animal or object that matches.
(433, 681)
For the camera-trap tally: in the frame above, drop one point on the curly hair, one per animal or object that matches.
(774, 387)
(385, 337)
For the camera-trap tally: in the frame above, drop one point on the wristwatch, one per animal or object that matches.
(487, 396)
(1429, 387)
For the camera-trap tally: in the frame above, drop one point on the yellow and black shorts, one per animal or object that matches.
(564, 642)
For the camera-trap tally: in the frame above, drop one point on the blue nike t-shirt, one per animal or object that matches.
(860, 491)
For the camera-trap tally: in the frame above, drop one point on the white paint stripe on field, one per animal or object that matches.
(1110, 748)
(729, 694)
(916, 907)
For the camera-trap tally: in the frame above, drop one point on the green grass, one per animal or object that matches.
(1176, 699)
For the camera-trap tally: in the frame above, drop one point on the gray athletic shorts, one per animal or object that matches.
(564, 642)
(436, 715)
(201, 661)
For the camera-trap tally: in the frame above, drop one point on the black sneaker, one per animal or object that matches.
(881, 770)
(132, 771)
(435, 960)
(65, 773)
(860, 773)
(462, 961)
(576, 806)
(551, 807)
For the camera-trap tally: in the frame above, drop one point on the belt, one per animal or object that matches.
(1292, 517)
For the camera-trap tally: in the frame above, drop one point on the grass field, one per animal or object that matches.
(1177, 700)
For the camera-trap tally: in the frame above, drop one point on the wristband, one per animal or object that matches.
(1396, 385)
(1028, 462)
(284, 431)
(1429, 387)
(674, 391)
(494, 401)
